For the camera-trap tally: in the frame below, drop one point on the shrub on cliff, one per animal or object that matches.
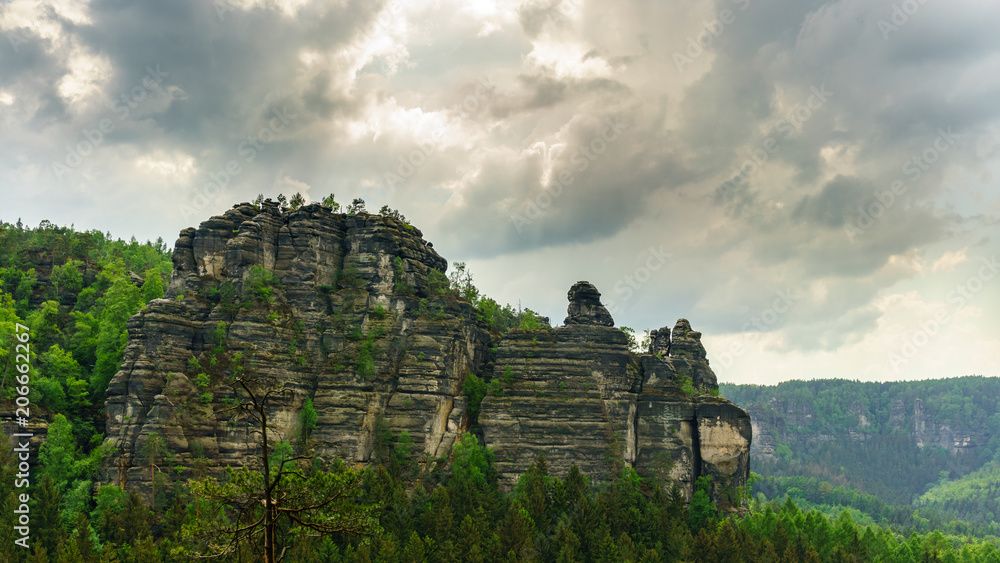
(259, 283)
(474, 390)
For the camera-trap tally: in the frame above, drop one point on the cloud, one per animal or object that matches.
(547, 141)
(948, 260)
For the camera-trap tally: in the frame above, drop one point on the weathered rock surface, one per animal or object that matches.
(351, 325)
(576, 395)
(345, 310)
(585, 306)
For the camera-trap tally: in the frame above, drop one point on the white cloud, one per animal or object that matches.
(948, 260)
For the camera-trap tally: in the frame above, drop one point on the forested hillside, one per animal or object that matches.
(76, 290)
(974, 497)
(879, 447)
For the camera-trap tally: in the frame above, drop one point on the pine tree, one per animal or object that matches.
(58, 454)
(155, 450)
(534, 493)
(330, 202)
(701, 509)
(46, 523)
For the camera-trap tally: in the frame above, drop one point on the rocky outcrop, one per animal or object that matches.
(585, 306)
(686, 349)
(565, 393)
(576, 395)
(339, 309)
(351, 312)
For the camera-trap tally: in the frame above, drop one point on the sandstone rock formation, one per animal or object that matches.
(350, 312)
(349, 325)
(585, 306)
(576, 395)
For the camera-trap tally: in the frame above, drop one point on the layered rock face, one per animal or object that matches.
(585, 306)
(908, 418)
(349, 322)
(350, 313)
(576, 395)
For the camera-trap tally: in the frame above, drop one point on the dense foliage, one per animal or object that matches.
(75, 291)
(855, 444)
(428, 510)
(973, 498)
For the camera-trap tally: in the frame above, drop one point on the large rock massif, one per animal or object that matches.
(350, 312)
(576, 395)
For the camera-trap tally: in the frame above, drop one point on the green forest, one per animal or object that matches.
(75, 291)
(831, 460)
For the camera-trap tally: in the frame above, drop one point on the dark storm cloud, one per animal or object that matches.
(491, 186)
(835, 203)
(224, 64)
(600, 180)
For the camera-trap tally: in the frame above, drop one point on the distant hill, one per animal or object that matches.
(893, 440)
(974, 497)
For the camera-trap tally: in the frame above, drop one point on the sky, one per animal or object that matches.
(813, 184)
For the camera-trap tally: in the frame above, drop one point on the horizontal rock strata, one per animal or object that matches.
(352, 313)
